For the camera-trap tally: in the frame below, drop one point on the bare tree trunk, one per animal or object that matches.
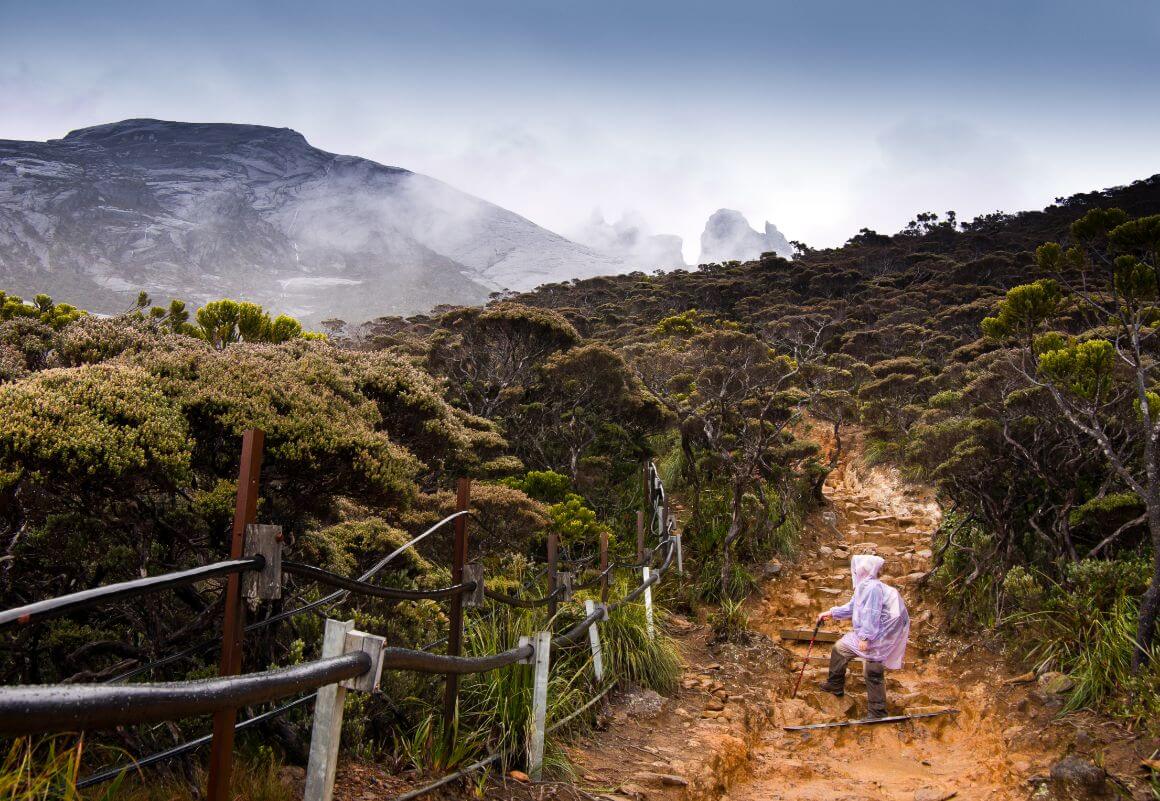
(1150, 602)
(692, 476)
(836, 454)
(727, 546)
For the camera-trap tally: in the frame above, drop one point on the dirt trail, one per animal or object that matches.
(873, 511)
(722, 736)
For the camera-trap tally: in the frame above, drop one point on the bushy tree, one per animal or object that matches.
(1104, 382)
(732, 395)
(488, 357)
(41, 308)
(124, 465)
(586, 400)
(224, 322)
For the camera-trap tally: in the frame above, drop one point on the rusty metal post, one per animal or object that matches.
(553, 551)
(455, 613)
(646, 505)
(604, 567)
(245, 512)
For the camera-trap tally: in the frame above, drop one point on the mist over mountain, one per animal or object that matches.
(728, 237)
(205, 211)
(630, 239)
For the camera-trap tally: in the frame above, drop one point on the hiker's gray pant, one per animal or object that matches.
(875, 673)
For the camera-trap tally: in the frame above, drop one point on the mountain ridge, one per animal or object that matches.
(207, 210)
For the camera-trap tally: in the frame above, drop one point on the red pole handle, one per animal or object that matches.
(806, 661)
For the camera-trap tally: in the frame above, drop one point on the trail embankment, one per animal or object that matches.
(722, 736)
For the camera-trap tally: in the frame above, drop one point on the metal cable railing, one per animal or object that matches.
(42, 709)
(51, 708)
(373, 590)
(332, 598)
(191, 745)
(398, 659)
(523, 603)
(87, 599)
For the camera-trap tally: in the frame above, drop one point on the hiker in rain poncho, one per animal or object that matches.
(881, 626)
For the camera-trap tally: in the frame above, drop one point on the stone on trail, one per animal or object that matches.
(631, 790)
(794, 712)
(931, 794)
(800, 599)
(661, 779)
(830, 706)
(1077, 777)
(1056, 683)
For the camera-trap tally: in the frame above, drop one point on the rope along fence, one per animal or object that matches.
(350, 660)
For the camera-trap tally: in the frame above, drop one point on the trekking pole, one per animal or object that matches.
(806, 661)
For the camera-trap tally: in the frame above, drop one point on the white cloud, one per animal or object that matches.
(941, 164)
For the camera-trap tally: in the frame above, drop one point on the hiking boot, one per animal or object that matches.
(877, 714)
(826, 687)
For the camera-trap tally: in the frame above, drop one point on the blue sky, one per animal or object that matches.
(821, 117)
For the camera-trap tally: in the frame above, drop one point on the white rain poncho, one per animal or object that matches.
(878, 615)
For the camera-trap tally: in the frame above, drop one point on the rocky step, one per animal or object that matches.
(822, 659)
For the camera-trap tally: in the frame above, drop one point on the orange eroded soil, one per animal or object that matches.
(721, 736)
(975, 754)
(1000, 745)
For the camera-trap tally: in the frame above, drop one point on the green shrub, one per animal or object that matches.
(545, 486)
(1085, 626)
(730, 621)
(575, 521)
(633, 657)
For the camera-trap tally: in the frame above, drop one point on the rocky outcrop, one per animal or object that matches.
(728, 237)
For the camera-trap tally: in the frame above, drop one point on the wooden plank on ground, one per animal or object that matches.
(872, 721)
(805, 635)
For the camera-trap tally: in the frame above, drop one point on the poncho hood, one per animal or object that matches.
(865, 566)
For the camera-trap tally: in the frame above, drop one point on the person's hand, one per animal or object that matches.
(864, 645)
(824, 616)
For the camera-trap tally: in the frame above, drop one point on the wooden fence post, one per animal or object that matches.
(221, 755)
(266, 584)
(604, 567)
(594, 639)
(455, 614)
(553, 553)
(338, 637)
(543, 646)
(327, 728)
(639, 537)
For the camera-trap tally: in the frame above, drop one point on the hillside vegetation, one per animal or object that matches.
(1011, 360)
(1017, 374)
